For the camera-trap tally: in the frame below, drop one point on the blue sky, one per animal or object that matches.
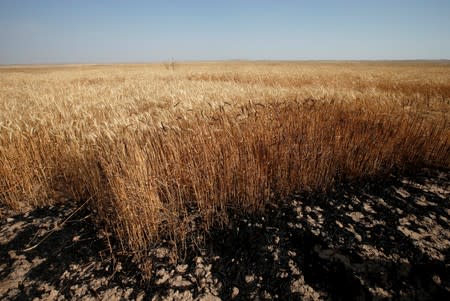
(70, 31)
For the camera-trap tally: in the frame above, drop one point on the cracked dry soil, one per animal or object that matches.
(383, 240)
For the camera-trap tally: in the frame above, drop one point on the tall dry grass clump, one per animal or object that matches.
(164, 155)
(164, 182)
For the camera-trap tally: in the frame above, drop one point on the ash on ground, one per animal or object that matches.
(383, 240)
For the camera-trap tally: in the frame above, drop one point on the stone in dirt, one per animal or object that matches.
(182, 268)
(179, 282)
(356, 216)
(234, 292)
(249, 278)
(209, 297)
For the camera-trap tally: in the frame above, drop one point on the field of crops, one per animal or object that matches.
(171, 151)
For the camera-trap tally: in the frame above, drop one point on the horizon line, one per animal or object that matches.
(220, 60)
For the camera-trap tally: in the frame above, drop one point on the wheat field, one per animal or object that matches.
(171, 151)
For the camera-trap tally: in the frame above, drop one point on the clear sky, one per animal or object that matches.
(71, 31)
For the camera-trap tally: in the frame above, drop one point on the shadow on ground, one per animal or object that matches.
(384, 240)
